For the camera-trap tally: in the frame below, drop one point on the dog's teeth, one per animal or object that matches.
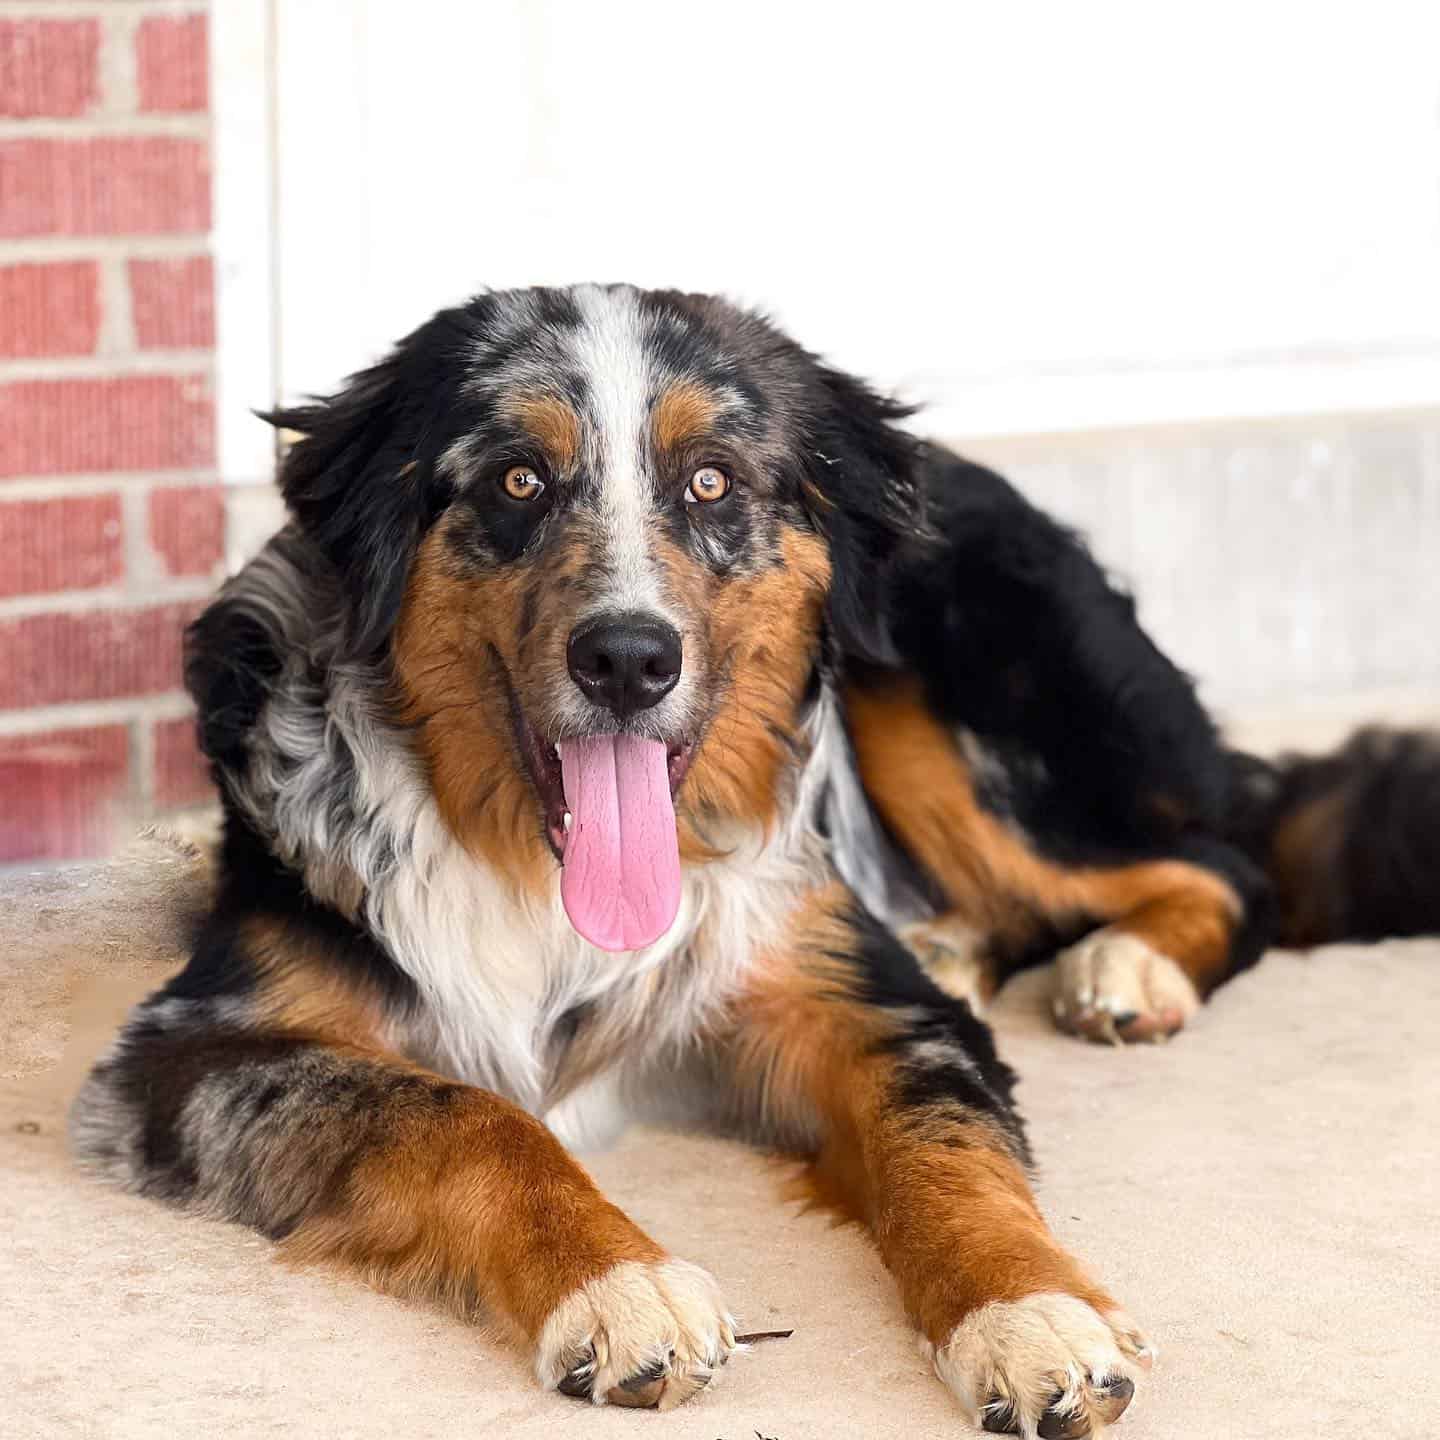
(565, 821)
(556, 749)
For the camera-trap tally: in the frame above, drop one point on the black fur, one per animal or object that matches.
(975, 1076)
(1352, 837)
(1023, 640)
(361, 478)
(865, 480)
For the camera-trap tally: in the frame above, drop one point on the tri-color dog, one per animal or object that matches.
(629, 704)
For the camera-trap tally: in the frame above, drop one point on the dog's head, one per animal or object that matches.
(600, 536)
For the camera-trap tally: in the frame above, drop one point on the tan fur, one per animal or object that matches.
(757, 632)
(452, 1193)
(474, 1203)
(634, 1318)
(952, 954)
(763, 631)
(552, 421)
(1115, 986)
(948, 1204)
(685, 412)
(991, 876)
(457, 639)
(303, 990)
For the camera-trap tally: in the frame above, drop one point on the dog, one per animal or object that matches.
(635, 720)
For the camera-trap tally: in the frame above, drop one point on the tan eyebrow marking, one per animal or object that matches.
(685, 410)
(552, 422)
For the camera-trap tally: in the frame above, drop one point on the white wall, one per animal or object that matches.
(1281, 562)
(1033, 216)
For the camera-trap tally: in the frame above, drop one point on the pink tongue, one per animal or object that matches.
(621, 883)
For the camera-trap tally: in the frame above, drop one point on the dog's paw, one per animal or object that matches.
(952, 955)
(1048, 1365)
(640, 1335)
(1114, 987)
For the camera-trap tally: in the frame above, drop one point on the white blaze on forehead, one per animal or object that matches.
(610, 347)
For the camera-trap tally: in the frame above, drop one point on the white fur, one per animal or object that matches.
(1022, 1351)
(611, 350)
(593, 1115)
(500, 974)
(634, 1316)
(1112, 973)
(867, 859)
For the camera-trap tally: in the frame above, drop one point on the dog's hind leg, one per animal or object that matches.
(1166, 930)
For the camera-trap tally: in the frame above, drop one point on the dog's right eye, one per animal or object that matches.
(522, 483)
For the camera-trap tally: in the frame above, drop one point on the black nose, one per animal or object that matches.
(625, 662)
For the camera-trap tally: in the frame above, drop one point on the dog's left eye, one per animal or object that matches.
(707, 485)
(522, 483)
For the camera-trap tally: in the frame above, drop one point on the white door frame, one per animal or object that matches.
(243, 179)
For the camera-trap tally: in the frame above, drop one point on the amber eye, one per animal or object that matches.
(522, 483)
(707, 485)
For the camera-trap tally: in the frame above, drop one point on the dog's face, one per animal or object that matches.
(599, 532)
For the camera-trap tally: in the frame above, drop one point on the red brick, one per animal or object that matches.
(92, 655)
(74, 543)
(108, 185)
(49, 309)
(132, 422)
(187, 528)
(182, 774)
(173, 302)
(171, 62)
(64, 790)
(48, 67)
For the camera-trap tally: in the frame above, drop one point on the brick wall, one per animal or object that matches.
(111, 520)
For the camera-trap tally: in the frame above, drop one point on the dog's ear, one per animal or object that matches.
(863, 494)
(356, 481)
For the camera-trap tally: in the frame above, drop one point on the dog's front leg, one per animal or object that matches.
(846, 1053)
(345, 1154)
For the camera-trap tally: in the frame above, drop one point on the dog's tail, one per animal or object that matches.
(1350, 840)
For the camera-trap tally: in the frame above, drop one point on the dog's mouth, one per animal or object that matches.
(547, 772)
(609, 812)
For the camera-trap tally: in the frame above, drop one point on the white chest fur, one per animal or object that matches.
(503, 978)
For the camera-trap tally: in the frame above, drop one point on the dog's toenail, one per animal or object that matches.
(642, 1390)
(1054, 1425)
(575, 1384)
(644, 1377)
(1111, 1399)
(999, 1418)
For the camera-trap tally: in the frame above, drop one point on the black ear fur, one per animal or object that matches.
(360, 477)
(864, 496)
(232, 656)
(350, 483)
